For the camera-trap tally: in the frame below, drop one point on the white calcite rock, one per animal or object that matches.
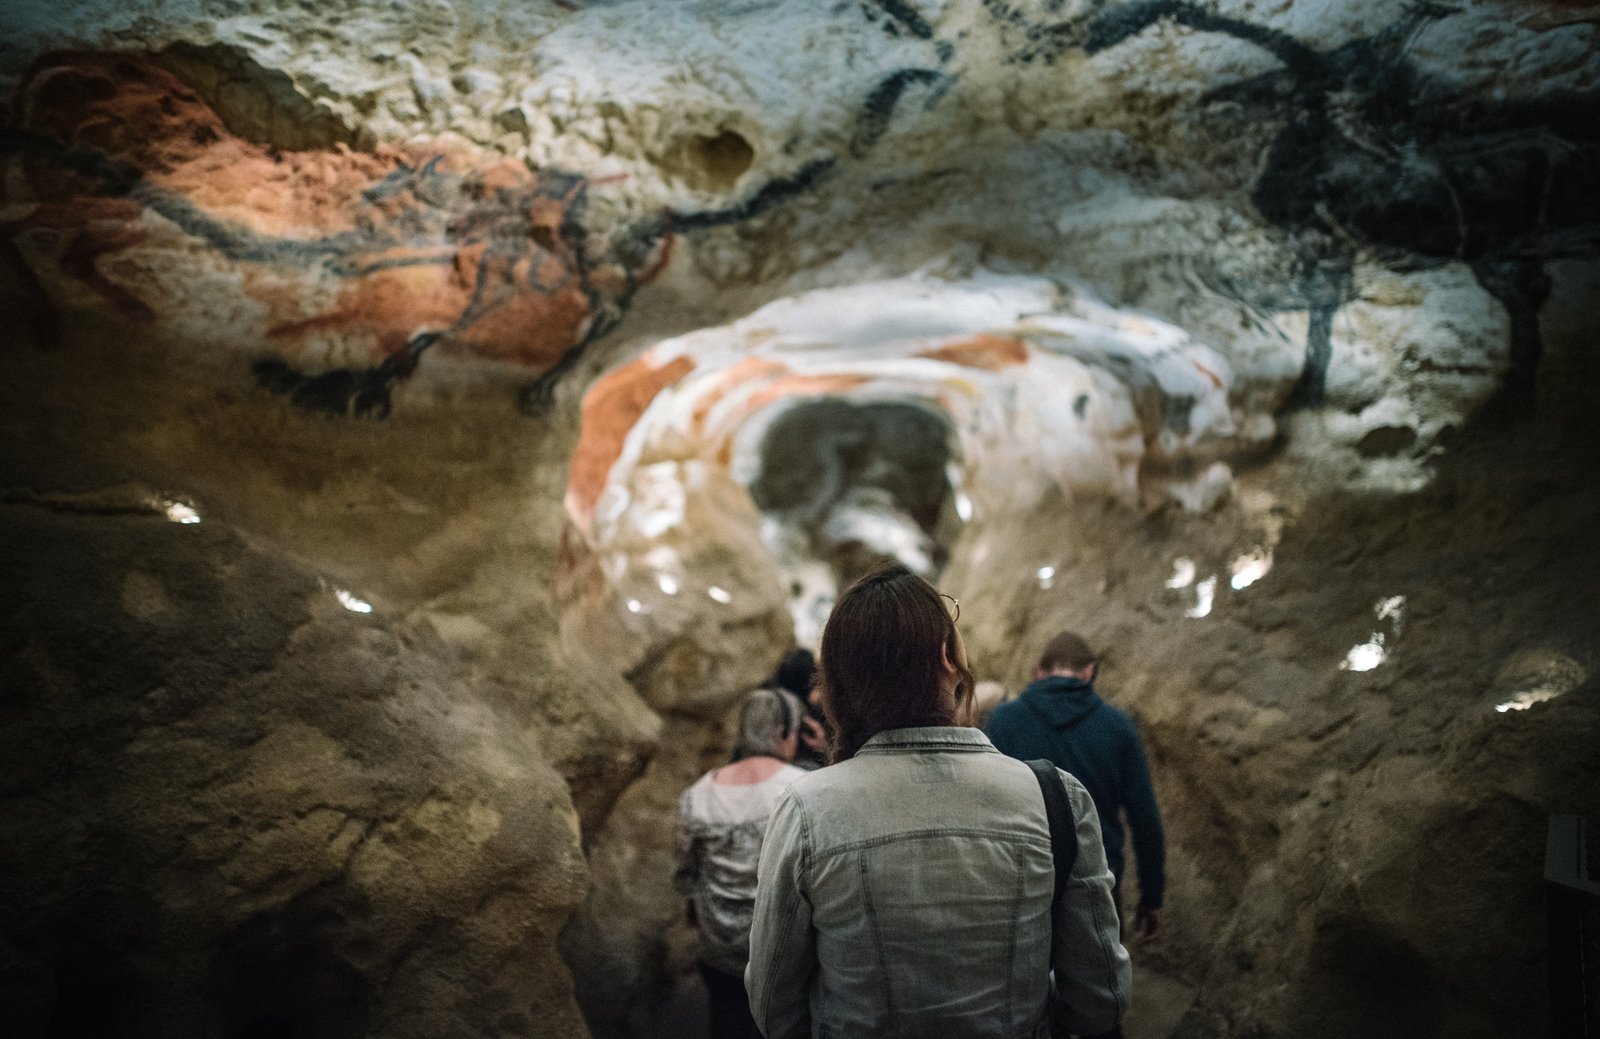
(1120, 284)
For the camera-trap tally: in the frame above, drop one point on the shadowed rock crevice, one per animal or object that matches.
(845, 485)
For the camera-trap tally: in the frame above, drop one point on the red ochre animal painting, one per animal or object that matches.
(120, 181)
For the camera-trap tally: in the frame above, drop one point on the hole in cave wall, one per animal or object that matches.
(844, 486)
(723, 158)
(711, 162)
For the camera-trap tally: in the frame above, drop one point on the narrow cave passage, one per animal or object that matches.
(424, 424)
(845, 485)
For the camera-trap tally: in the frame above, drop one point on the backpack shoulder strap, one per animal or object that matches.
(1063, 827)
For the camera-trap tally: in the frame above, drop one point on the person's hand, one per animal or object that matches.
(1147, 923)
(811, 734)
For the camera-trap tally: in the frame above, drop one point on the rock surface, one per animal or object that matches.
(234, 807)
(536, 371)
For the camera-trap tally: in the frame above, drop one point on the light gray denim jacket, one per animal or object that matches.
(907, 891)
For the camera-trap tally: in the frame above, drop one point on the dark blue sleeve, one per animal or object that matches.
(1144, 821)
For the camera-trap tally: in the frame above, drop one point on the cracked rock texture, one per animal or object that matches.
(415, 440)
(235, 808)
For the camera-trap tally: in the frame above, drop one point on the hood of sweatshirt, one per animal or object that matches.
(1061, 701)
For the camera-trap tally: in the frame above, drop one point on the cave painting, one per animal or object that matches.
(369, 258)
(122, 180)
(1100, 392)
(1378, 160)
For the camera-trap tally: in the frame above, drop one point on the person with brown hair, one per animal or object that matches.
(910, 887)
(797, 673)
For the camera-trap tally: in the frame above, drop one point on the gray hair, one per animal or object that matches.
(767, 718)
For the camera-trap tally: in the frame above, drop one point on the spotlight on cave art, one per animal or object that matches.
(1535, 677)
(959, 497)
(1182, 573)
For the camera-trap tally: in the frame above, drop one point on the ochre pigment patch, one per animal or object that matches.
(988, 352)
(481, 255)
(802, 386)
(610, 409)
(788, 386)
(745, 370)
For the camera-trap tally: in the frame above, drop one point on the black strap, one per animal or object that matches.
(1063, 828)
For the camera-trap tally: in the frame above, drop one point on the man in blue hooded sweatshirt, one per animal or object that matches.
(1059, 717)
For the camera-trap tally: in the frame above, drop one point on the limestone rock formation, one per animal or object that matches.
(235, 807)
(424, 421)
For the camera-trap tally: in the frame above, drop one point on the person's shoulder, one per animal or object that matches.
(1007, 713)
(1120, 726)
(700, 787)
(1005, 765)
(692, 802)
(1078, 794)
(789, 773)
(820, 786)
(1112, 715)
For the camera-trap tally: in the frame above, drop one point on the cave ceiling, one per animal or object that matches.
(369, 197)
(427, 418)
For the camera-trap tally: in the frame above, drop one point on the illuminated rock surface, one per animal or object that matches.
(422, 423)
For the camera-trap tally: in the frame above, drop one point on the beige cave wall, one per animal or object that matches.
(231, 800)
(233, 806)
(1350, 852)
(1366, 679)
(337, 287)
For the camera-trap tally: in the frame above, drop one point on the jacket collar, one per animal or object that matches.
(941, 737)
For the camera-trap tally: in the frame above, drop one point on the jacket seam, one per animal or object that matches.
(877, 939)
(903, 748)
(790, 903)
(1105, 953)
(1013, 1000)
(872, 842)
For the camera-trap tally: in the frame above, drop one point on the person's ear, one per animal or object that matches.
(944, 658)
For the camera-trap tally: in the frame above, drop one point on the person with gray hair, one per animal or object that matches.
(722, 820)
(768, 720)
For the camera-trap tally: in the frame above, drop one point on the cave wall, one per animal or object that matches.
(473, 316)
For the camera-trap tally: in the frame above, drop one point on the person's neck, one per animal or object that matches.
(757, 768)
